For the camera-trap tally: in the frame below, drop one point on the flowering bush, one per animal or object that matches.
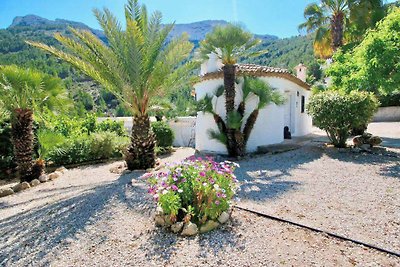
(195, 190)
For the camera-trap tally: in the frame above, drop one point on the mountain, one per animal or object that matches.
(284, 53)
(196, 30)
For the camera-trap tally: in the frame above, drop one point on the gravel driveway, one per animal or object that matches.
(91, 217)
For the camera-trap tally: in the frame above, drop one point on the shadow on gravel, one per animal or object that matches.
(268, 176)
(388, 161)
(163, 244)
(26, 238)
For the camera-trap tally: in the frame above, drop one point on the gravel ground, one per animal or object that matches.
(90, 216)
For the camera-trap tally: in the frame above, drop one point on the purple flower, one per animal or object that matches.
(174, 187)
(212, 181)
(219, 194)
(217, 202)
(203, 174)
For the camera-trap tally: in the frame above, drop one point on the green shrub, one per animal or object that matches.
(390, 100)
(85, 148)
(338, 113)
(195, 190)
(112, 126)
(6, 146)
(164, 134)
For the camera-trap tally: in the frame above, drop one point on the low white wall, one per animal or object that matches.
(387, 114)
(184, 130)
(183, 127)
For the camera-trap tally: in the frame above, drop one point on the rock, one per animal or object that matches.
(34, 182)
(168, 221)
(208, 226)
(54, 175)
(177, 227)
(190, 229)
(358, 141)
(43, 178)
(223, 218)
(159, 220)
(374, 141)
(21, 186)
(6, 191)
(159, 211)
(62, 169)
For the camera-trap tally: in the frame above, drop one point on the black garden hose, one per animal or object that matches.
(397, 254)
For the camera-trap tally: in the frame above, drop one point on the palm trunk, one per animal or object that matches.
(229, 84)
(337, 22)
(22, 138)
(140, 153)
(251, 121)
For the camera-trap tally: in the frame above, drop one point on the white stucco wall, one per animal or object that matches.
(270, 123)
(184, 131)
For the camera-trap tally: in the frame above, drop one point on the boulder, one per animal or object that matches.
(62, 169)
(160, 221)
(21, 186)
(177, 227)
(208, 226)
(223, 218)
(43, 178)
(34, 182)
(190, 229)
(6, 191)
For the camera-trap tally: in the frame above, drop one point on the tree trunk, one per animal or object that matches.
(229, 84)
(22, 138)
(140, 153)
(251, 121)
(337, 22)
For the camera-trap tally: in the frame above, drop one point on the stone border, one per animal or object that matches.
(189, 228)
(35, 182)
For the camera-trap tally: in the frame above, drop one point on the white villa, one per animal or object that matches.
(269, 128)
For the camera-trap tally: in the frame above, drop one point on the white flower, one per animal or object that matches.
(180, 190)
(216, 186)
(155, 196)
(164, 191)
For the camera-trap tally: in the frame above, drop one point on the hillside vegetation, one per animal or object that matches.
(88, 96)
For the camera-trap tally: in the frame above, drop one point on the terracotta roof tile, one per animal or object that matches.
(258, 71)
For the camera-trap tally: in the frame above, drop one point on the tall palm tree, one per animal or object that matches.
(332, 18)
(23, 91)
(137, 65)
(230, 43)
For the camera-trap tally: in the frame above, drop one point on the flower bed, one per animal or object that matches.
(193, 195)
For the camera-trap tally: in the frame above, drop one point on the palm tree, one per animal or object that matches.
(23, 91)
(136, 66)
(332, 18)
(230, 43)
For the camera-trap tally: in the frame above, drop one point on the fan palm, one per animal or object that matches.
(23, 91)
(230, 43)
(136, 66)
(332, 18)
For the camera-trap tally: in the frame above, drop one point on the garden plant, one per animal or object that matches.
(230, 43)
(195, 193)
(338, 113)
(136, 65)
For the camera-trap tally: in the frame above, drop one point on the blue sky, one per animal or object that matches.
(276, 17)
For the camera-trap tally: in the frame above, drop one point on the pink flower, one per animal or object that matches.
(174, 187)
(203, 174)
(217, 202)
